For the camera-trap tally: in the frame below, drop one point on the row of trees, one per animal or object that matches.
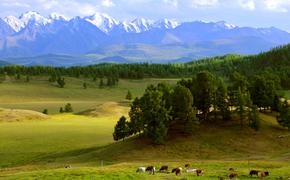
(164, 110)
(274, 62)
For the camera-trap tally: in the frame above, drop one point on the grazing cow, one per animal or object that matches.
(151, 169)
(233, 175)
(141, 170)
(262, 175)
(187, 165)
(254, 172)
(231, 169)
(173, 170)
(221, 178)
(177, 171)
(190, 170)
(199, 172)
(163, 169)
(67, 166)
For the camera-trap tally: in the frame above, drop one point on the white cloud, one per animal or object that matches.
(277, 5)
(108, 3)
(173, 3)
(204, 3)
(248, 4)
(15, 4)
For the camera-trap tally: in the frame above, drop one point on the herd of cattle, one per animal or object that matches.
(199, 172)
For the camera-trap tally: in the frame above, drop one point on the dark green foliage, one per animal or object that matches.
(101, 85)
(61, 82)
(137, 122)
(284, 115)
(263, 92)
(182, 110)
(61, 110)
(155, 114)
(68, 108)
(276, 103)
(203, 93)
(45, 111)
(85, 85)
(109, 81)
(121, 129)
(129, 95)
(254, 119)
(242, 98)
(222, 101)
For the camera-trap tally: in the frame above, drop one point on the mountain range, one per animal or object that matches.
(33, 38)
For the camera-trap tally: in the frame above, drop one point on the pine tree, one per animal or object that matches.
(284, 115)
(129, 95)
(182, 109)
(136, 124)
(155, 115)
(222, 100)
(101, 85)
(68, 108)
(241, 106)
(121, 129)
(203, 93)
(254, 118)
(61, 82)
(85, 85)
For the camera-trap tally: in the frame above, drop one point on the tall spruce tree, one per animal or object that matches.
(121, 129)
(204, 93)
(182, 110)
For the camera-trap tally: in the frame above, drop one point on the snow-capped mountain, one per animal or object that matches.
(58, 17)
(33, 34)
(103, 21)
(14, 23)
(34, 17)
(166, 24)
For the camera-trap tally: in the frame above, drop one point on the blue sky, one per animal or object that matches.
(256, 13)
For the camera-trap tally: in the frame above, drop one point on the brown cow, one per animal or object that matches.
(233, 175)
(177, 171)
(187, 165)
(199, 172)
(262, 175)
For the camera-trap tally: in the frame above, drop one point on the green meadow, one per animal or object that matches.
(36, 146)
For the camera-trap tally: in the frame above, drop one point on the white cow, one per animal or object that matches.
(141, 170)
(191, 170)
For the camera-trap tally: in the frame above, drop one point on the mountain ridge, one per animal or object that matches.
(34, 35)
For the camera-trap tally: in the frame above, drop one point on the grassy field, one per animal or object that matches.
(39, 147)
(39, 94)
(127, 171)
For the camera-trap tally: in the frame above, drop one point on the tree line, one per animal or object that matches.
(275, 63)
